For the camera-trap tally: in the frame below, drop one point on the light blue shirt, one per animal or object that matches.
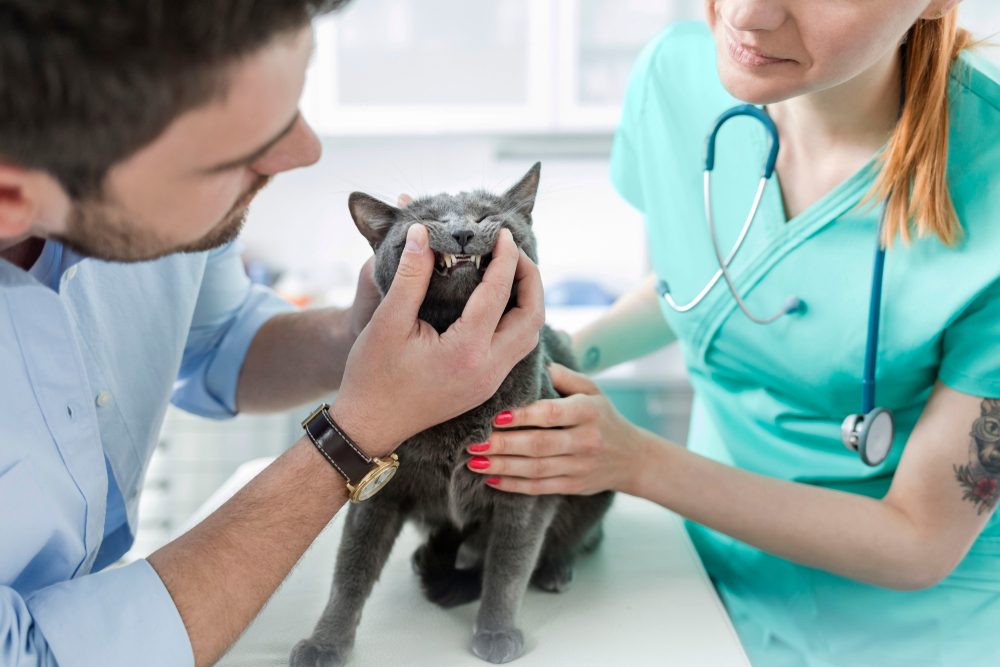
(118, 537)
(91, 352)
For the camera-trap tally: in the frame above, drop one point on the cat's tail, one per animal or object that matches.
(443, 583)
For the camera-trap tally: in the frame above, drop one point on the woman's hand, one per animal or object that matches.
(580, 444)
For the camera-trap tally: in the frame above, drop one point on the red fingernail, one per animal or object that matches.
(492, 480)
(482, 447)
(504, 417)
(479, 463)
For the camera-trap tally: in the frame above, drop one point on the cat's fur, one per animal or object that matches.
(481, 542)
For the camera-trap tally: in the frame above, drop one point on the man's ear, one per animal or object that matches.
(521, 195)
(29, 200)
(374, 218)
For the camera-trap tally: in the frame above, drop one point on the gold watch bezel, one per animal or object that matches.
(379, 466)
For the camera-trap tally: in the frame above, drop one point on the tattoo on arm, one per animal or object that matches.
(591, 359)
(981, 476)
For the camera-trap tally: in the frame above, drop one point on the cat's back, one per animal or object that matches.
(556, 348)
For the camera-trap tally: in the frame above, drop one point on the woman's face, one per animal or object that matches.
(772, 50)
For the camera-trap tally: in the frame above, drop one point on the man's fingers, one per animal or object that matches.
(530, 311)
(409, 287)
(568, 382)
(550, 413)
(485, 306)
(366, 298)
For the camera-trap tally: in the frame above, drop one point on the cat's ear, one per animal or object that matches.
(521, 195)
(374, 218)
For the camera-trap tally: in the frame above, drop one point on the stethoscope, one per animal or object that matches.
(870, 433)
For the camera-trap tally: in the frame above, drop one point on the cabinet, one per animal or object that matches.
(453, 66)
(415, 67)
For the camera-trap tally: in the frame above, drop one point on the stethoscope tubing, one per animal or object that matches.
(874, 315)
(723, 265)
(718, 274)
(856, 428)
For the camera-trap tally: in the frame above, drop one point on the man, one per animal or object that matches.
(133, 135)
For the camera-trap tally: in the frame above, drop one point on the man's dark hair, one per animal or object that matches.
(86, 83)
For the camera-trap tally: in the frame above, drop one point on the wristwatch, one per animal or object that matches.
(365, 475)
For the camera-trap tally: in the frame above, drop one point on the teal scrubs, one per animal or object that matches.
(771, 399)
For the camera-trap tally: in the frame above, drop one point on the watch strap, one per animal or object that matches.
(342, 453)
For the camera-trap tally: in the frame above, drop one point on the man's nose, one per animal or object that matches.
(299, 148)
(463, 237)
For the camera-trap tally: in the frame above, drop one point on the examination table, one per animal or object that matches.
(642, 600)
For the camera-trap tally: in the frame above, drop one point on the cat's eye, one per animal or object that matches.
(483, 218)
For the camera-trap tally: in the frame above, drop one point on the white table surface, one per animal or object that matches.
(642, 600)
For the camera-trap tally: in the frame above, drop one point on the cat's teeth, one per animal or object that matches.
(476, 258)
(449, 260)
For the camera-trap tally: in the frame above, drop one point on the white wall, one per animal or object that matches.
(301, 221)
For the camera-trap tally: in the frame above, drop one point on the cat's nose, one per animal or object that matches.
(463, 237)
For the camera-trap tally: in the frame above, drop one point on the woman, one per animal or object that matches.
(820, 559)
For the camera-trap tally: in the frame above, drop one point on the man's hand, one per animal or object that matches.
(366, 299)
(402, 377)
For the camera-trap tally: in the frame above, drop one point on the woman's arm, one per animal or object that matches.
(632, 327)
(910, 539)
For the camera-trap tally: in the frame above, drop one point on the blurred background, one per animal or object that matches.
(427, 96)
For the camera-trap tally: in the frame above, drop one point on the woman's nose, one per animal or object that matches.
(750, 15)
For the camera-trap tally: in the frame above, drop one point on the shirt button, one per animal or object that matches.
(71, 272)
(103, 398)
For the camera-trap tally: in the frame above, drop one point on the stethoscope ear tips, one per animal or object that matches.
(794, 304)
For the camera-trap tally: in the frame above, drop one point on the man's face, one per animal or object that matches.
(189, 189)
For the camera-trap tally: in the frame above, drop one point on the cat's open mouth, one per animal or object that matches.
(446, 264)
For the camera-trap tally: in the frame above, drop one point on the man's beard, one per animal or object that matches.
(101, 230)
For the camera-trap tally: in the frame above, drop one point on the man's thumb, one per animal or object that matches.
(409, 287)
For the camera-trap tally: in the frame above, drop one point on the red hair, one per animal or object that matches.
(913, 179)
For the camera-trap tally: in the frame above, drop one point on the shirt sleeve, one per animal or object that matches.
(123, 616)
(970, 362)
(625, 154)
(229, 311)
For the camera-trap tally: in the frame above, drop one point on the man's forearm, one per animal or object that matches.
(294, 359)
(223, 570)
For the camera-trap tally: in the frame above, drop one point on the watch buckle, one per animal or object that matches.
(315, 413)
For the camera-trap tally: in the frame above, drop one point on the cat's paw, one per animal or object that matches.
(553, 577)
(308, 653)
(498, 647)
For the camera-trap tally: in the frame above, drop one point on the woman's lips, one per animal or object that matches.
(749, 56)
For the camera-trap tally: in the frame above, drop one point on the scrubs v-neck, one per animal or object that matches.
(771, 398)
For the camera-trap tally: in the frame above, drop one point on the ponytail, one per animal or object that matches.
(913, 179)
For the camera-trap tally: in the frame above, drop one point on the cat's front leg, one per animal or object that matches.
(518, 530)
(369, 533)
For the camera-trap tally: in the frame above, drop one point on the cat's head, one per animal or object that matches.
(463, 231)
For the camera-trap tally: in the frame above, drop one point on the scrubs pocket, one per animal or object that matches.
(980, 569)
(27, 531)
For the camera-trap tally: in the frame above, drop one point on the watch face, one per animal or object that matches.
(372, 487)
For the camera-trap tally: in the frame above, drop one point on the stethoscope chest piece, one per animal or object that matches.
(870, 435)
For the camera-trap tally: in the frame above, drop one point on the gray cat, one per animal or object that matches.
(481, 542)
